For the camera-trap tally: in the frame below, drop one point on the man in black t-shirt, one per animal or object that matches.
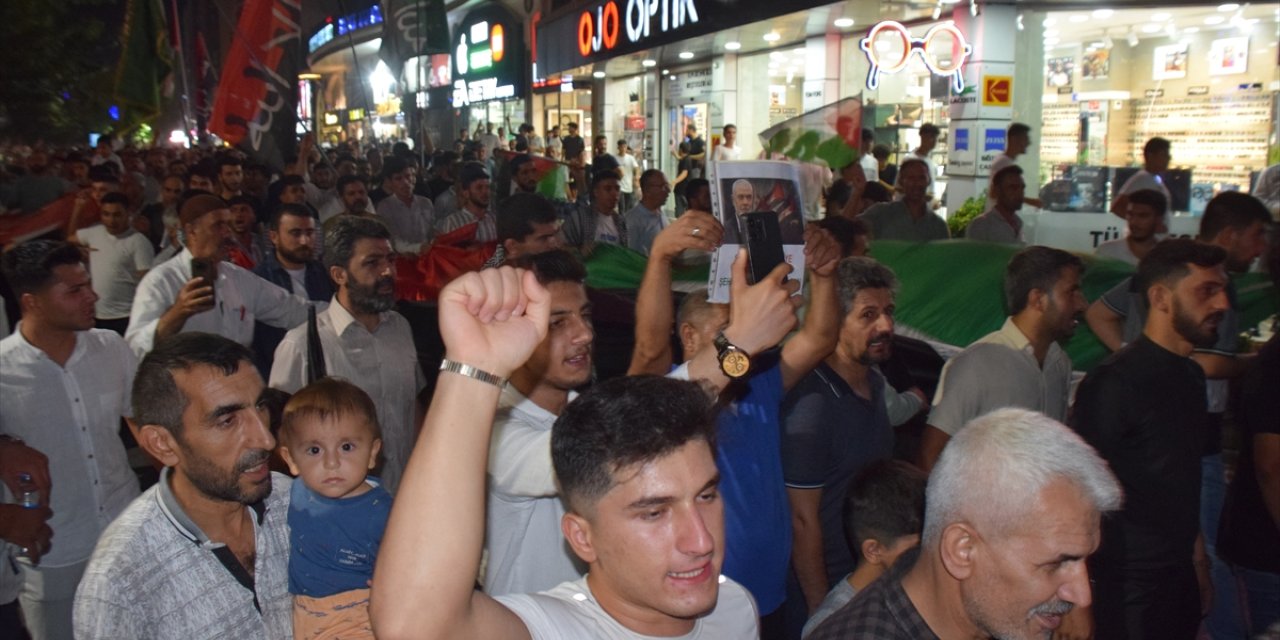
(573, 144)
(1144, 410)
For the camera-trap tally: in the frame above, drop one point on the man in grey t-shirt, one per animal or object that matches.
(910, 218)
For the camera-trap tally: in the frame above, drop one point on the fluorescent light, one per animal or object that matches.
(1079, 17)
(1151, 28)
(666, 72)
(686, 55)
(597, 74)
(732, 46)
(648, 63)
(1212, 20)
(772, 36)
(1103, 14)
(1160, 17)
(843, 23)
(1230, 6)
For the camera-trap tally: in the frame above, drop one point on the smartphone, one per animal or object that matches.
(208, 270)
(764, 243)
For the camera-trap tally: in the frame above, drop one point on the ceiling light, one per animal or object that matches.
(1132, 38)
(1230, 6)
(1151, 28)
(772, 36)
(1212, 20)
(843, 23)
(1191, 30)
(1079, 17)
(937, 11)
(777, 55)
(1049, 22)
(732, 46)
(1020, 26)
(1103, 14)
(597, 74)
(648, 63)
(1171, 29)
(1097, 45)
(1160, 17)
(686, 55)
(666, 72)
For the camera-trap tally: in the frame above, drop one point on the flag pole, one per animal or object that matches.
(182, 73)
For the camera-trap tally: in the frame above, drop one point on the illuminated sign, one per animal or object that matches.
(344, 25)
(997, 91)
(889, 47)
(355, 115)
(320, 39)
(640, 19)
(330, 119)
(488, 52)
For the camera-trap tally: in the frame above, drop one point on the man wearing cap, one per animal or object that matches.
(473, 193)
(170, 300)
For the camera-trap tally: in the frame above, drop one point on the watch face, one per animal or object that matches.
(735, 364)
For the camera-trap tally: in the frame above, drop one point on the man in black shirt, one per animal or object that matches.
(1144, 410)
(574, 145)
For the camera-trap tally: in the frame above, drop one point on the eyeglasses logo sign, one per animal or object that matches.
(943, 49)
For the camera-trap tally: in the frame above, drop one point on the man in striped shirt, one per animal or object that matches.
(473, 195)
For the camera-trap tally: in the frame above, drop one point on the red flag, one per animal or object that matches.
(257, 100)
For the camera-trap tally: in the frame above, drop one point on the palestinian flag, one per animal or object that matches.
(830, 135)
(553, 175)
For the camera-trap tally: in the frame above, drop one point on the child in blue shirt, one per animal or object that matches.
(337, 513)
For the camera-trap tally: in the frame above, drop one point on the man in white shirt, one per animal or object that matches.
(1021, 365)
(643, 508)
(489, 140)
(1017, 141)
(170, 300)
(630, 173)
(870, 166)
(409, 217)
(728, 148)
(364, 339)
(1145, 215)
(1001, 222)
(473, 189)
(118, 258)
(1155, 161)
(64, 389)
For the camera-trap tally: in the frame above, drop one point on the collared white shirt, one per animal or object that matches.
(1001, 370)
(114, 263)
(241, 298)
(410, 224)
(72, 414)
(383, 363)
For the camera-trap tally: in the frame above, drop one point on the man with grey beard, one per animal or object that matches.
(363, 338)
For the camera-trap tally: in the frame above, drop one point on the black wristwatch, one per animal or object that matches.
(734, 362)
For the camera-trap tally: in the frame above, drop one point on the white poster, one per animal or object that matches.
(1229, 56)
(742, 187)
(1169, 62)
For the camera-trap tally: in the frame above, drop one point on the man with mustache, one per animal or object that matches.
(364, 339)
(293, 266)
(170, 299)
(1144, 410)
(1012, 511)
(205, 552)
(1021, 365)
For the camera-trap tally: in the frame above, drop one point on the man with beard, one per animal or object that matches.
(1021, 365)
(353, 199)
(320, 190)
(204, 552)
(363, 338)
(292, 266)
(230, 176)
(1011, 513)
(248, 246)
(170, 299)
(474, 194)
(835, 424)
(910, 218)
(1001, 223)
(524, 174)
(64, 388)
(1144, 410)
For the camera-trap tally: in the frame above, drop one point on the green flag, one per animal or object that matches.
(829, 135)
(145, 57)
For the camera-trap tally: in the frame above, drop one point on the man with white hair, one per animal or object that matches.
(1013, 509)
(743, 196)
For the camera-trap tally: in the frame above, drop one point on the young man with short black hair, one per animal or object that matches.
(119, 257)
(474, 193)
(1144, 218)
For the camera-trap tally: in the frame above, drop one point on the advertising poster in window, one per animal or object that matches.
(1059, 71)
(1229, 56)
(1096, 64)
(1169, 62)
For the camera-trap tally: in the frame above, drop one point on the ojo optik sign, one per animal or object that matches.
(599, 29)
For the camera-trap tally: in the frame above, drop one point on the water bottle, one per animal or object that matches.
(28, 494)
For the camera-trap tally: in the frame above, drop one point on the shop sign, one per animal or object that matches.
(321, 38)
(488, 53)
(689, 86)
(355, 115)
(889, 46)
(997, 91)
(993, 143)
(970, 103)
(1154, 93)
(330, 119)
(1202, 90)
(962, 157)
(603, 29)
(1065, 91)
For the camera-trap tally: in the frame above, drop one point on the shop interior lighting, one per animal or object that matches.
(973, 11)
(1230, 6)
(1049, 22)
(648, 62)
(1107, 42)
(597, 74)
(843, 23)
(937, 11)
(1078, 18)
(1212, 20)
(686, 55)
(1160, 17)
(1191, 30)
(1171, 29)
(1020, 26)
(1051, 33)
(1151, 28)
(1133, 38)
(732, 45)
(1049, 42)
(772, 36)
(666, 72)
(1103, 14)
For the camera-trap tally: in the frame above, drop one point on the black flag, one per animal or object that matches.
(412, 28)
(315, 351)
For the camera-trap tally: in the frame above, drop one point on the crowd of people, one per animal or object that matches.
(237, 329)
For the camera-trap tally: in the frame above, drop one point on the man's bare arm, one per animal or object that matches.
(423, 586)
(817, 338)
(1106, 324)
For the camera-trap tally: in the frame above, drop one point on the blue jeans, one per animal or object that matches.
(1227, 617)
